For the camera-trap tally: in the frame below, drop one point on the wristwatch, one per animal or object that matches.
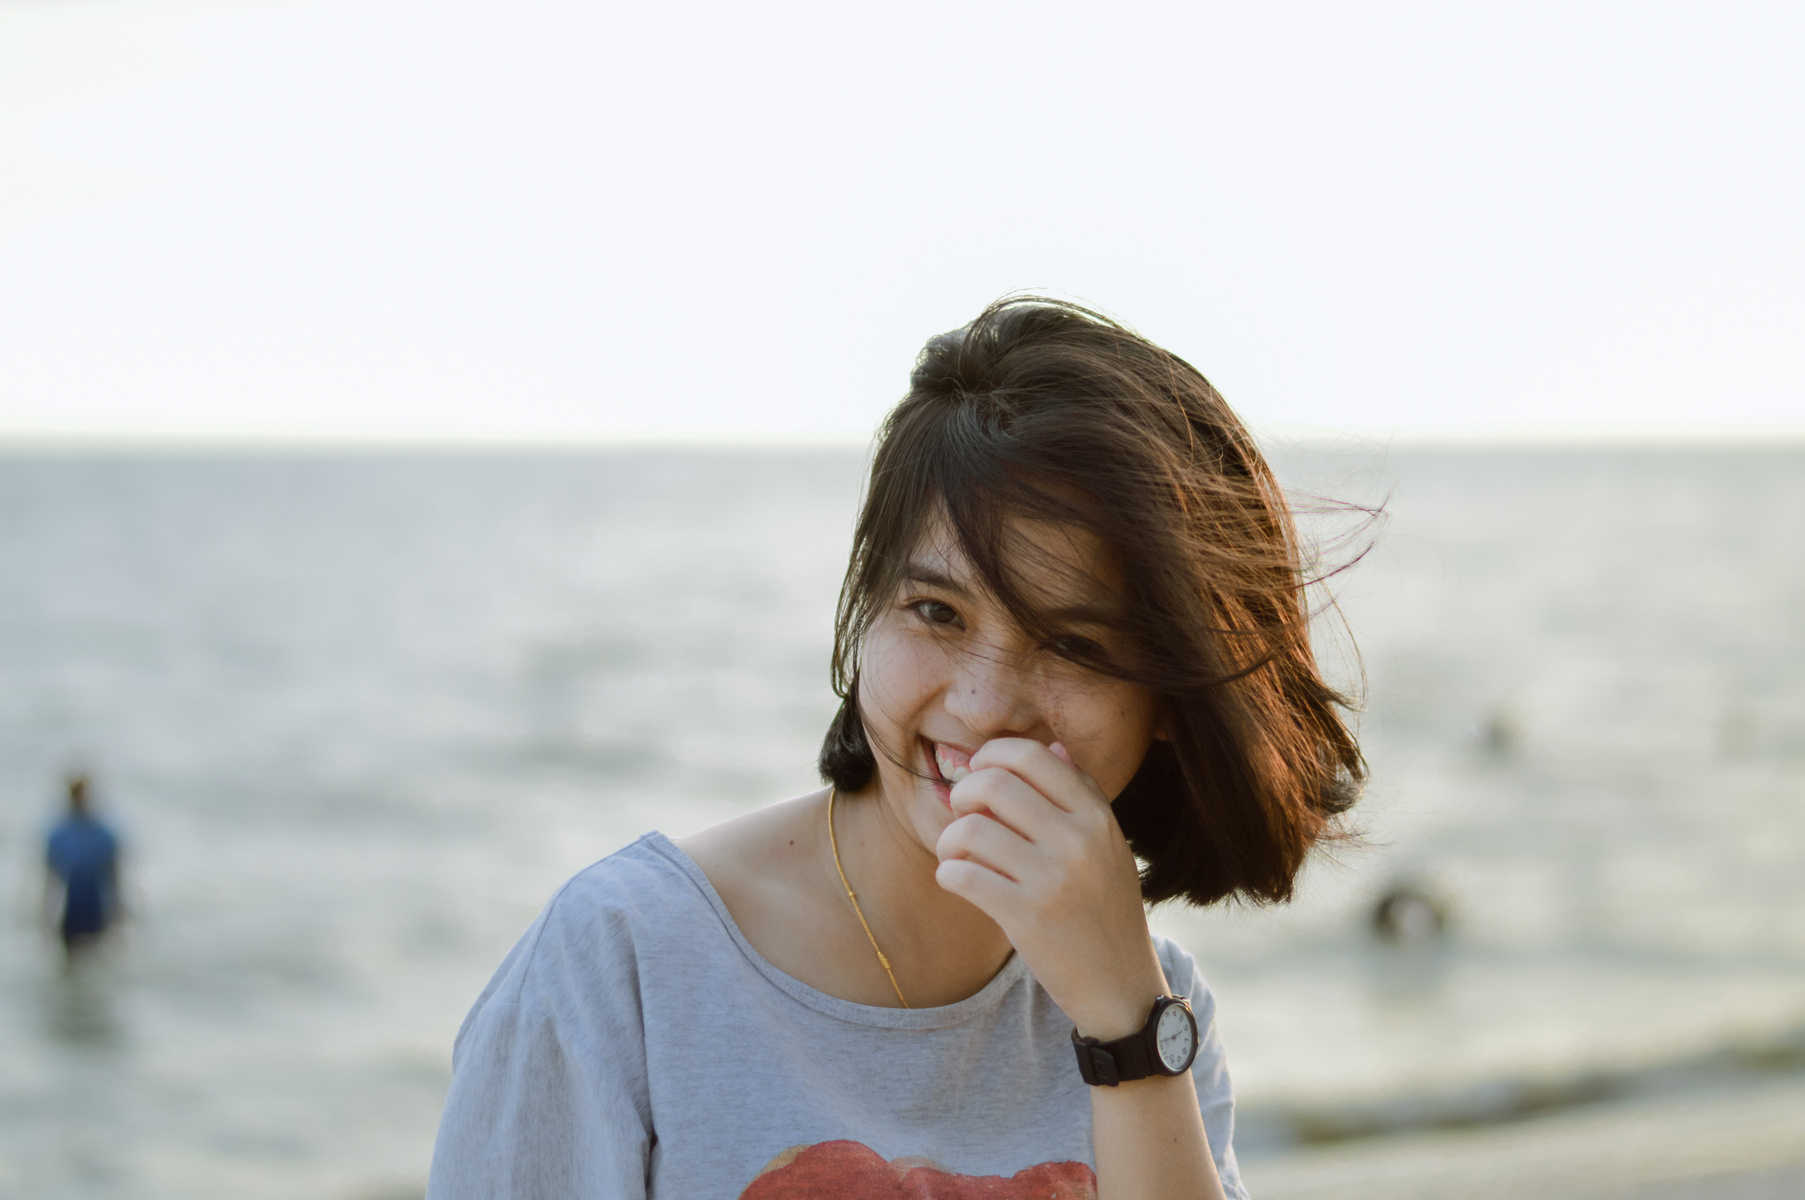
(1165, 1045)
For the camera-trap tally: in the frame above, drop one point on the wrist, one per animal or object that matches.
(1123, 1010)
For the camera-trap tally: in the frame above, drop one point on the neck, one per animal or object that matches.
(942, 948)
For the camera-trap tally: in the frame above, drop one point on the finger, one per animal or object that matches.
(1054, 777)
(979, 839)
(1064, 754)
(993, 894)
(1007, 797)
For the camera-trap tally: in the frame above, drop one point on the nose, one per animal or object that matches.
(994, 693)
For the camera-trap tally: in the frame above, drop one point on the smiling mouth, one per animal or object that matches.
(953, 763)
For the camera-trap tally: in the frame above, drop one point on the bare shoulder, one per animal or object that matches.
(765, 854)
(774, 871)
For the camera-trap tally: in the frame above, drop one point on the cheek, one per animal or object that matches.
(897, 677)
(1112, 729)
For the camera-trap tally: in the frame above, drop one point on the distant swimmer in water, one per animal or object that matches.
(82, 858)
(1409, 914)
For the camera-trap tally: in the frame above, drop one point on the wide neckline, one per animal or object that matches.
(941, 1017)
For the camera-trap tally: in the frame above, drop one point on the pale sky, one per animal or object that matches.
(548, 220)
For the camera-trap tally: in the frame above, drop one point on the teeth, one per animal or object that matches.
(954, 764)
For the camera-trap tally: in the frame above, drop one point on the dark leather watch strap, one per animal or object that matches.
(1105, 1064)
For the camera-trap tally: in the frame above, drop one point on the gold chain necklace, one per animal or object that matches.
(863, 924)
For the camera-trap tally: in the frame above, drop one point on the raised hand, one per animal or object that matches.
(1035, 845)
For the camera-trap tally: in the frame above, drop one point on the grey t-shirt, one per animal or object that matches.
(634, 1044)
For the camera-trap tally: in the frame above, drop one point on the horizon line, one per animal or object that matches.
(30, 443)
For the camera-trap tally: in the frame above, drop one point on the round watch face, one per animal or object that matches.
(1176, 1037)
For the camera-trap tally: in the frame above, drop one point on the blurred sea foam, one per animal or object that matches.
(358, 715)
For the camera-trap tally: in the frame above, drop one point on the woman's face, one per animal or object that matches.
(945, 669)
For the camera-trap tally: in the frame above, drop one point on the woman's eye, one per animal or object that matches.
(1073, 646)
(936, 613)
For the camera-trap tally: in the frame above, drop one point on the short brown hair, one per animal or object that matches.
(1043, 409)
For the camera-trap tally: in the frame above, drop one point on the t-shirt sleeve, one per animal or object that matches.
(548, 1097)
(1209, 1071)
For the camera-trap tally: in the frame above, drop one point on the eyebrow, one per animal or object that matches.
(1103, 617)
(920, 572)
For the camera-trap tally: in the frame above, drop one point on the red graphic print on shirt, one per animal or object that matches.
(847, 1170)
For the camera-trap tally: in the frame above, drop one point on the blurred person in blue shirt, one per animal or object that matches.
(82, 856)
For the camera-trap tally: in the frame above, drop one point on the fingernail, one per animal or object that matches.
(1059, 749)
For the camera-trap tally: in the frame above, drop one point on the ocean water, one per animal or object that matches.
(357, 716)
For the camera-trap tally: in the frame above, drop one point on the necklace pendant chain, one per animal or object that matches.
(834, 843)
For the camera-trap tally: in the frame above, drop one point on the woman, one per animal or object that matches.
(1071, 635)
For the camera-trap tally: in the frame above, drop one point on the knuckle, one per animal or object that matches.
(997, 750)
(967, 791)
(984, 828)
(994, 835)
(984, 782)
(966, 827)
(985, 789)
